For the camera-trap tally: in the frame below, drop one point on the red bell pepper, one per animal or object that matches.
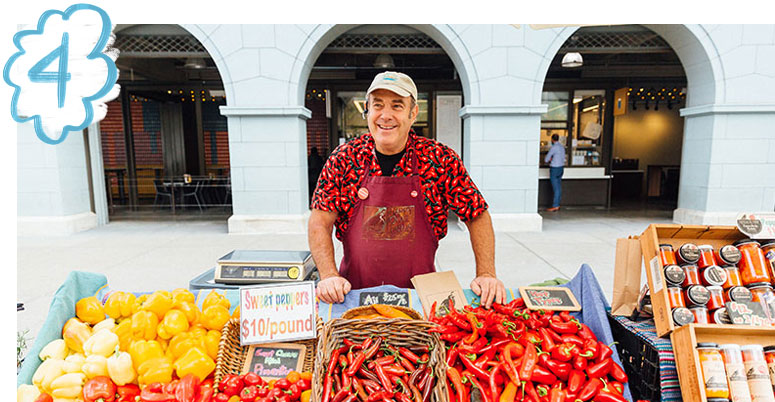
(575, 381)
(99, 388)
(590, 389)
(603, 352)
(573, 340)
(252, 379)
(560, 369)
(205, 394)
(187, 388)
(44, 397)
(599, 370)
(563, 352)
(557, 395)
(127, 393)
(579, 363)
(221, 397)
(542, 376)
(617, 372)
(155, 393)
(232, 385)
(295, 392)
(248, 394)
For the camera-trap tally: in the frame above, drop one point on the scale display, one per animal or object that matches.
(264, 266)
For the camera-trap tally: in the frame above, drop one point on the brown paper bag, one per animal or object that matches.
(627, 273)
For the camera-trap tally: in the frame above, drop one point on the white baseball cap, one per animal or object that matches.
(398, 83)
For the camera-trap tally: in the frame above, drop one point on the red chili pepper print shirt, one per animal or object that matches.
(444, 180)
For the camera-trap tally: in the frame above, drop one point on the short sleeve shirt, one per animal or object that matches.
(444, 180)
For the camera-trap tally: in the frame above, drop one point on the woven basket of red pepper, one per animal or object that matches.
(509, 353)
(232, 355)
(379, 360)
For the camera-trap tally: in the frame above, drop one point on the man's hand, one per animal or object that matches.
(332, 289)
(489, 289)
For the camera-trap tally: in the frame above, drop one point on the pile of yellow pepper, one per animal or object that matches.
(138, 340)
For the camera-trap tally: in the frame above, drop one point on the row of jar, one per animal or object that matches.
(737, 373)
(755, 261)
(706, 304)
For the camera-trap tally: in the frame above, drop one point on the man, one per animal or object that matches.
(388, 193)
(556, 159)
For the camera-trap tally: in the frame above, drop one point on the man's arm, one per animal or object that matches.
(332, 287)
(483, 243)
(550, 154)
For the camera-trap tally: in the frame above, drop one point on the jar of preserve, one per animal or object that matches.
(675, 295)
(714, 376)
(736, 377)
(713, 276)
(753, 265)
(768, 248)
(728, 255)
(682, 316)
(720, 316)
(761, 292)
(769, 357)
(688, 253)
(700, 314)
(733, 277)
(667, 255)
(707, 258)
(674, 275)
(696, 295)
(737, 294)
(692, 275)
(716, 297)
(758, 375)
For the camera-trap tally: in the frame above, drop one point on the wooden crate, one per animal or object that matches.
(687, 360)
(675, 235)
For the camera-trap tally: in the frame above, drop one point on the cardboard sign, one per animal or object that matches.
(274, 360)
(757, 226)
(391, 298)
(440, 287)
(747, 313)
(549, 298)
(282, 312)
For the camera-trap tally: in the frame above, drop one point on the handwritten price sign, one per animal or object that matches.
(275, 313)
(63, 72)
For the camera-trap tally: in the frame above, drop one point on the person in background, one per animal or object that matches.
(556, 159)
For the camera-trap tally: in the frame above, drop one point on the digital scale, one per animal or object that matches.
(244, 267)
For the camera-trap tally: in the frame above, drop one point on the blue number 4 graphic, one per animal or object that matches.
(37, 73)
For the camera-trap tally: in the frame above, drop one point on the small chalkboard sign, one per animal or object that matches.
(274, 360)
(747, 313)
(549, 298)
(391, 298)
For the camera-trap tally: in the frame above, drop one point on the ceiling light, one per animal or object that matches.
(384, 60)
(195, 63)
(572, 59)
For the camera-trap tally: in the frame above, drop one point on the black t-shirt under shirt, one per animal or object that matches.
(388, 162)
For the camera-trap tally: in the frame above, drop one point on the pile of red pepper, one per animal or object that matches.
(375, 371)
(510, 353)
(186, 389)
(251, 387)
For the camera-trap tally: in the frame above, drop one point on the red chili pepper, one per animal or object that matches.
(248, 394)
(127, 393)
(564, 327)
(486, 396)
(334, 360)
(493, 382)
(454, 337)
(530, 390)
(379, 396)
(460, 391)
(575, 381)
(99, 388)
(383, 379)
(341, 395)
(573, 340)
(187, 388)
(557, 395)
(560, 369)
(590, 349)
(590, 389)
(617, 372)
(432, 316)
(563, 352)
(529, 361)
(372, 350)
(410, 355)
(205, 394)
(474, 369)
(579, 363)
(356, 364)
(599, 370)
(607, 395)
(587, 333)
(547, 343)
(565, 315)
(359, 389)
(542, 376)
(616, 386)
(603, 351)
(511, 367)
(327, 386)
(452, 356)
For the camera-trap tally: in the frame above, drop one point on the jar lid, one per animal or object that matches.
(674, 275)
(770, 348)
(759, 285)
(707, 345)
(730, 267)
(729, 346)
(684, 266)
(720, 316)
(665, 245)
(682, 316)
(689, 252)
(698, 294)
(744, 241)
(714, 275)
(713, 288)
(698, 307)
(718, 400)
(767, 242)
(739, 293)
(705, 247)
(752, 348)
(730, 254)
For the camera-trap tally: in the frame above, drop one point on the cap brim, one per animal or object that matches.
(392, 88)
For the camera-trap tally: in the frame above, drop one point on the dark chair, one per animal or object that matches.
(161, 191)
(188, 193)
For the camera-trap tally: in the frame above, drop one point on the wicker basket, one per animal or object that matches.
(232, 355)
(366, 310)
(396, 332)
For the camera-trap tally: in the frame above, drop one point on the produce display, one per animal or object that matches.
(734, 372)
(251, 387)
(510, 353)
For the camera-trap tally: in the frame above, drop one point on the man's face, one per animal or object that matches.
(390, 118)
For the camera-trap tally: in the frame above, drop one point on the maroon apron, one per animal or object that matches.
(390, 238)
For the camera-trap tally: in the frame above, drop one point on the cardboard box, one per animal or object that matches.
(687, 360)
(676, 235)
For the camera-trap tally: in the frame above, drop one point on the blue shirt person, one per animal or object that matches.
(556, 159)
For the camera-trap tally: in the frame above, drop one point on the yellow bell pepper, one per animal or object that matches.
(75, 333)
(198, 330)
(144, 325)
(124, 332)
(27, 393)
(215, 317)
(196, 362)
(212, 340)
(180, 344)
(159, 302)
(74, 363)
(102, 343)
(68, 385)
(119, 305)
(189, 309)
(183, 295)
(56, 349)
(174, 322)
(120, 368)
(236, 313)
(95, 365)
(215, 299)
(48, 371)
(158, 369)
(107, 323)
(89, 310)
(142, 351)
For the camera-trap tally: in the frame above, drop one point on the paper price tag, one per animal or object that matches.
(276, 313)
(656, 274)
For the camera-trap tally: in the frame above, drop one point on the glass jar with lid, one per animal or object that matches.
(692, 274)
(733, 277)
(675, 295)
(688, 253)
(674, 275)
(768, 248)
(667, 255)
(714, 375)
(696, 295)
(700, 314)
(728, 255)
(736, 377)
(707, 257)
(758, 376)
(753, 265)
(713, 276)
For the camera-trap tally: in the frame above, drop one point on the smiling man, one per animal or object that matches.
(388, 193)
